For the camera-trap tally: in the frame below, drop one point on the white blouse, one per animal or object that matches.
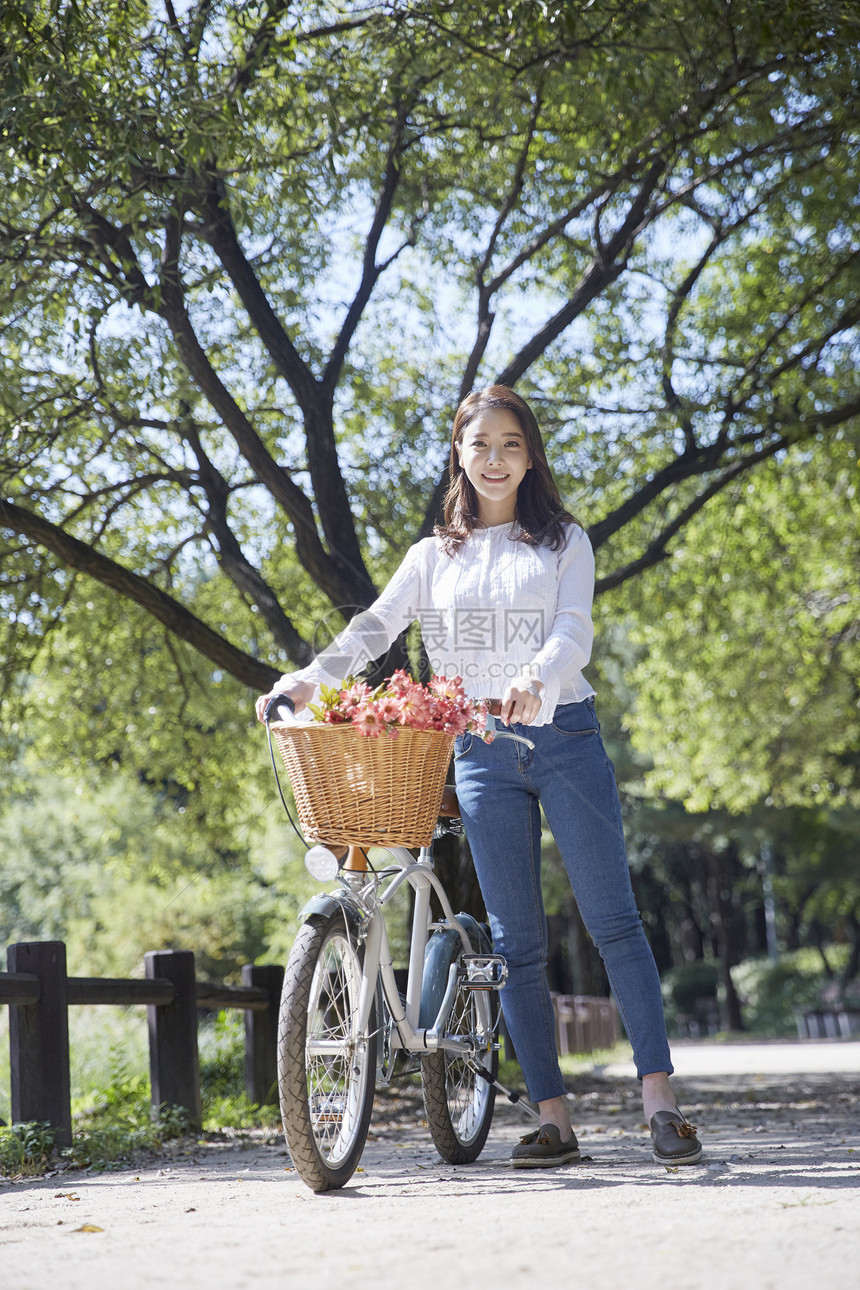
(497, 610)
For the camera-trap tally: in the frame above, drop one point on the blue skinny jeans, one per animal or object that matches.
(499, 786)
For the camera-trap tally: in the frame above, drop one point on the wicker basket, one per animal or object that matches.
(352, 789)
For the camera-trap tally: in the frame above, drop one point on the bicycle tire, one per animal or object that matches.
(458, 1102)
(326, 1071)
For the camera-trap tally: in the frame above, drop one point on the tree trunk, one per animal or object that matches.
(852, 967)
(722, 919)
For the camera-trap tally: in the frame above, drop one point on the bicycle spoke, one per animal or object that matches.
(458, 1101)
(465, 1095)
(334, 1083)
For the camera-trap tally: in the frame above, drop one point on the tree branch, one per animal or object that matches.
(220, 233)
(257, 49)
(347, 568)
(707, 458)
(342, 582)
(370, 269)
(603, 270)
(234, 561)
(657, 550)
(82, 558)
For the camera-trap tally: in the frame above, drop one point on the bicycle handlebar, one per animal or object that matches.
(278, 708)
(501, 733)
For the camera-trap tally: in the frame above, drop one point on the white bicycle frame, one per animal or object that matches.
(361, 894)
(364, 890)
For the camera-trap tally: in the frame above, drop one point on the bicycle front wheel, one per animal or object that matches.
(458, 1101)
(326, 1066)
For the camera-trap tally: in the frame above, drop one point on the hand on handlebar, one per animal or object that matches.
(301, 693)
(521, 701)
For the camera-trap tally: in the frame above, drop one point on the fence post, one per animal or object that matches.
(261, 1035)
(39, 1041)
(174, 1068)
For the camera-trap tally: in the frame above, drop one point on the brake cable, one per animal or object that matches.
(270, 713)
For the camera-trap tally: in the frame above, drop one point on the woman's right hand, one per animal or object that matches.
(301, 693)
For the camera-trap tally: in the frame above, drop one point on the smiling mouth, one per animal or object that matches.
(495, 479)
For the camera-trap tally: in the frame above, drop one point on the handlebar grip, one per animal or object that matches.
(278, 707)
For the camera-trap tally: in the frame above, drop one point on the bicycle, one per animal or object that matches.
(344, 1025)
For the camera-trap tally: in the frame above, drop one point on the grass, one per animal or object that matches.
(113, 1122)
(25, 1149)
(511, 1075)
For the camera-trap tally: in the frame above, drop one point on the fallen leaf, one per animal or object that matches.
(671, 1169)
(88, 1227)
(65, 1195)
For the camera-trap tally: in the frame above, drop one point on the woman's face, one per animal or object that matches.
(494, 456)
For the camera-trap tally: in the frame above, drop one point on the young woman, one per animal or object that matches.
(503, 592)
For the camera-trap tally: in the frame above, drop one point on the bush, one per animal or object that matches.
(25, 1149)
(118, 1122)
(690, 999)
(222, 1077)
(771, 992)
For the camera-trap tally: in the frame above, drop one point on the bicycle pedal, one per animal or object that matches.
(327, 1109)
(484, 971)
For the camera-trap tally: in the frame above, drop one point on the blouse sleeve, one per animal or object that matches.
(567, 647)
(370, 633)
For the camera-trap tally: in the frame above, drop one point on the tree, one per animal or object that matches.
(252, 255)
(748, 679)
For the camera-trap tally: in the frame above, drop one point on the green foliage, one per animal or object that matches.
(685, 985)
(748, 680)
(249, 259)
(115, 868)
(25, 1149)
(114, 1121)
(222, 1075)
(119, 1122)
(773, 991)
(189, 207)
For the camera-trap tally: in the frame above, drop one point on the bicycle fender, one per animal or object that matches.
(326, 903)
(442, 949)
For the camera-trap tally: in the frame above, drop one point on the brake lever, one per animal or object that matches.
(493, 728)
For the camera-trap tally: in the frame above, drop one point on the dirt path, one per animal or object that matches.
(774, 1203)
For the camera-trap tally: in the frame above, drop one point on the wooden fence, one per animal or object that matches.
(585, 1023)
(39, 994)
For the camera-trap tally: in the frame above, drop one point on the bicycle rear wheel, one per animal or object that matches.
(458, 1102)
(326, 1067)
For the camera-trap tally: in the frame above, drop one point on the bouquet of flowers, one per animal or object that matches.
(442, 705)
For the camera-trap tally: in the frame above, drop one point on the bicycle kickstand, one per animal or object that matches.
(516, 1098)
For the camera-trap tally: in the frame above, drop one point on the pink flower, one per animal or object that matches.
(368, 720)
(456, 723)
(389, 708)
(356, 693)
(402, 702)
(415, 708)
(449, 687)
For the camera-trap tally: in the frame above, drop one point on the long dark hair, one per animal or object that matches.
(541, 517)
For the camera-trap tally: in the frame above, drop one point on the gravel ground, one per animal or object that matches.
(773, 1203)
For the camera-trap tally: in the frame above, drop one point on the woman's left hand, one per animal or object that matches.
(521, 701)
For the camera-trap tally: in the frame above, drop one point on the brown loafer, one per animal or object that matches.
(674, 1139)
(544, 1149)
